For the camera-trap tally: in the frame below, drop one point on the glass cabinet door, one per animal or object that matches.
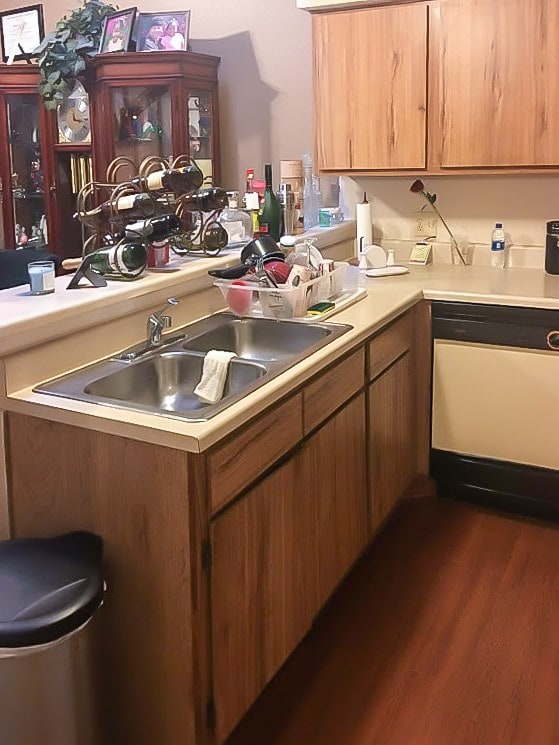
(142, 124)
(201, 130)
(27, 184)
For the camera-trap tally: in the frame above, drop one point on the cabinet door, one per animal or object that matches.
(499, 83)
(370, 76)
(392, 457)
(334, 60)
(335, 477)
(263, 589)
(24, 182)
(389, 88)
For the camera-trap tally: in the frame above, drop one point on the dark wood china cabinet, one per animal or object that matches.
(137, 105)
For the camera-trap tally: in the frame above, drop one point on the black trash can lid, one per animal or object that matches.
(49, 587)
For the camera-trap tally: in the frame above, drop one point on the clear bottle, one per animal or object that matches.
(498, 246)
(270, 213)
(237, 223)
(312, 201)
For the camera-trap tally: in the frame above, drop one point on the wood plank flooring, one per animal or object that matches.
(447, 633)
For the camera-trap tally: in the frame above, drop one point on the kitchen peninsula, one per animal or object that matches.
(224, 538)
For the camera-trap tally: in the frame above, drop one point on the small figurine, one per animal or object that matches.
(23, 237)
(37, 178)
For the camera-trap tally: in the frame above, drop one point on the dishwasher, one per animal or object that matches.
(495, 423)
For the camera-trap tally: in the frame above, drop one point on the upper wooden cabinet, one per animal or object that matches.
(499, 83)
(438, 86)
(371, 88)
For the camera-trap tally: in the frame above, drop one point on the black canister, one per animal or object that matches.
(552, 247)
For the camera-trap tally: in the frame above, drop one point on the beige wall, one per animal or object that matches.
(471, 205)
(265, 74)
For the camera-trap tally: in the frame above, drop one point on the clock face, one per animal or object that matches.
(73, 120)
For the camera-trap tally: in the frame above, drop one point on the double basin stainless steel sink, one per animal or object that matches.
(162, 380)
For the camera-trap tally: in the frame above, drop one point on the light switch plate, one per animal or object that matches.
(426, 224)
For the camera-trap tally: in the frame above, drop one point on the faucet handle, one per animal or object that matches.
(161, 314)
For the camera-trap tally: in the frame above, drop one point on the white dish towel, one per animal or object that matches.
(214, 374)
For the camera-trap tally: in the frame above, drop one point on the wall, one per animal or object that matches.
(471, 205)
(265, 74)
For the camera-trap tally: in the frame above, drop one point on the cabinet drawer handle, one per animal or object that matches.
(553, 340)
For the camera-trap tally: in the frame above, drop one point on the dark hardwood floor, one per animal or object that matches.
(447, 633)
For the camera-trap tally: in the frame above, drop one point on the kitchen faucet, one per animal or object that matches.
(157, 322)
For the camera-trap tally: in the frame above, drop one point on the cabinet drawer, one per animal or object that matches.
(389, 345)
(333, 389)
(243, 458)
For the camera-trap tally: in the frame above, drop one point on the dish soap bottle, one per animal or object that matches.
(498, 247)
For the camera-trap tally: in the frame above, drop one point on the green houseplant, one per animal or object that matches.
(62, 55)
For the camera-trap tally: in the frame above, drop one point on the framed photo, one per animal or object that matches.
(158, 32)
(21, 29)
(117, 30)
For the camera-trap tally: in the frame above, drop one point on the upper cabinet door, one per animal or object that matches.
(499, 83)
(334, 52)
(388, 91)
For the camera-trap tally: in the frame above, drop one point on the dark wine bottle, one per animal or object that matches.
(125, 260)
(122, 209)
(270, 213)
(205, 200)
(154, 228)
(178, 180)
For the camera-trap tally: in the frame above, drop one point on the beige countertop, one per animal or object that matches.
(386, 299)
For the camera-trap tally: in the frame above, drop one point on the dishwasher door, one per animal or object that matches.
(495, 425)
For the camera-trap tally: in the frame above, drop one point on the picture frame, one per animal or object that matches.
(21, 29)
(117, 31)
(166, 31)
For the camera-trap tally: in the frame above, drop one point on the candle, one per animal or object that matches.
(41, 277)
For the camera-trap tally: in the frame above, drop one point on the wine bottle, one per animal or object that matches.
(178, 180)
(122, 209)
(208, 199)
(270, 213)
(125, 260)
(154, 228)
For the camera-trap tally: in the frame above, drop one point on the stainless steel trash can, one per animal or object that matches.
(50, 588)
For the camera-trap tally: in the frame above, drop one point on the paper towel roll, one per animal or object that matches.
(364, 216)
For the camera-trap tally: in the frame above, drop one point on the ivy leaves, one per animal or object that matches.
(62, 55)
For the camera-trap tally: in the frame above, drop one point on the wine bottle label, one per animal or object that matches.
(264, 227)
(126, 203)
(154, 181)
(112, 259)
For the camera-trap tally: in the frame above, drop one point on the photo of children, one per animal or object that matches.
(163, 31)
(117, 31)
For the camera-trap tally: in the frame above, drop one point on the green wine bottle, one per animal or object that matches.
(125, 260)
(270, 213)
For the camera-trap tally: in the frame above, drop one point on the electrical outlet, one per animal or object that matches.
(426, 224)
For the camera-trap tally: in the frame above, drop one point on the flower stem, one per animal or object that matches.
(453, 242)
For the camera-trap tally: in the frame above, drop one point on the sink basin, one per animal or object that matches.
(259, 338)
(163, 381)
(167, 381)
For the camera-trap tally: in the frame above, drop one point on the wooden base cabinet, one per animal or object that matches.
(392, 462)
(278, 554)
(218, 562)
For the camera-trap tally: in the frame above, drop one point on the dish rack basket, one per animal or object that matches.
(251, 299)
